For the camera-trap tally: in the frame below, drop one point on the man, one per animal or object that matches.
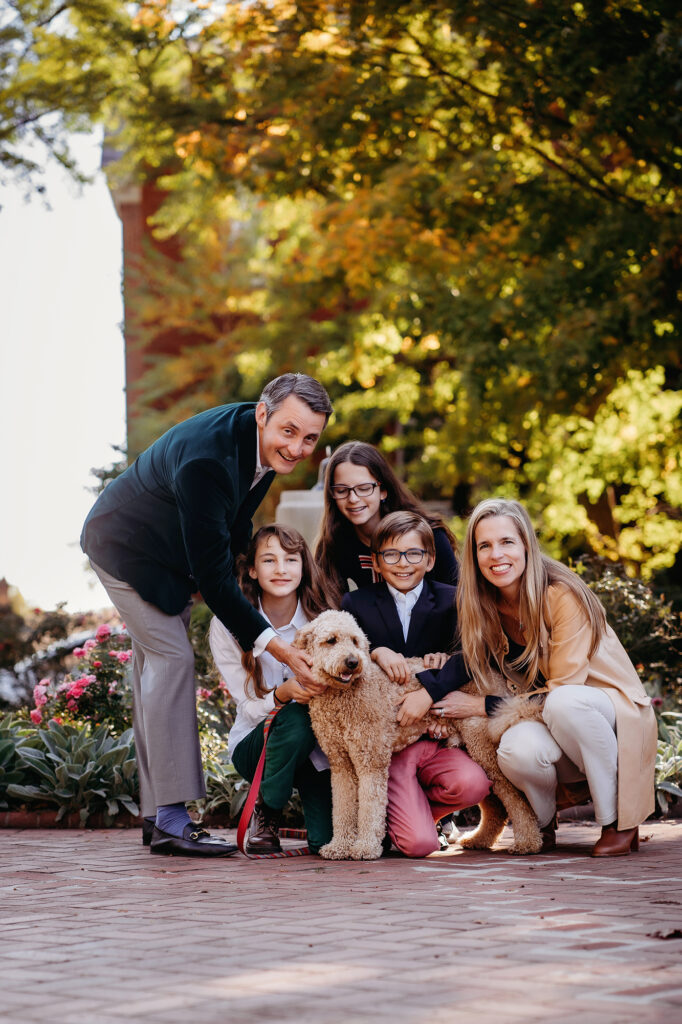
(168, 527)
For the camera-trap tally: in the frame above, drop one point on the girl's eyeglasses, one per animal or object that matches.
(360, 490)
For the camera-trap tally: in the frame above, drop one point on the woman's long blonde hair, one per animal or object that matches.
(477, 611)
(309, 592)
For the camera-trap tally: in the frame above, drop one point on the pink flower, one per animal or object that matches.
(71, 705)
(103, 632)
(124, 656)
(39, 695)
(89, 645)
(78, 652)
(57, 719)
(36, 716)
(97, 664)
(656, 702)
(203, 693)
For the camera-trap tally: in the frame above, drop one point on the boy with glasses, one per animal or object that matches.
(404, 616)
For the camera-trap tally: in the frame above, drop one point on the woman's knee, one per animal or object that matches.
(416, 846)
(527, 749)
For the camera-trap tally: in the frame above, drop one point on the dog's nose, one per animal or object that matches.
(351, 661)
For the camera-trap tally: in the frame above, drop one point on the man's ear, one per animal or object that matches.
(261, 415)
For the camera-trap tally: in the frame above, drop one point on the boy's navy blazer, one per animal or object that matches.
(432, 629)
(174, 521)
(432, 623)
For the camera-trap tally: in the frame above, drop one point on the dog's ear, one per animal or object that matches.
(303, 639)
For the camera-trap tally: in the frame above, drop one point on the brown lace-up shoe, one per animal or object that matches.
(264, 830)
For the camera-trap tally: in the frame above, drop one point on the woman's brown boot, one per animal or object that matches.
(613, 843)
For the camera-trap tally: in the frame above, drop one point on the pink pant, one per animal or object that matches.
(426, 781)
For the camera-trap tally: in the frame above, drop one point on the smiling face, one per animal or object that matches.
(277, 571)
(500, 554)
(403, 576)
(363, 511)
(289, 435)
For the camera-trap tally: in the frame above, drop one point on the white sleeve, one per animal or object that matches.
(227, 655)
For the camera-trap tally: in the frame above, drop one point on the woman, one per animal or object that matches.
(360, 488)
(536, 622)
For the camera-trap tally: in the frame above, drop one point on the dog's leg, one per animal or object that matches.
(344, 809)
(372, 800)
(527, 834)
(489, 829)
(505, 800)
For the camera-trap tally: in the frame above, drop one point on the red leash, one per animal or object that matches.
(247, 810)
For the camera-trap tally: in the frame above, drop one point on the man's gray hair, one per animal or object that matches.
(300, 386)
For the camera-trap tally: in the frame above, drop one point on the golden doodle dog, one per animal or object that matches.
(355, 724)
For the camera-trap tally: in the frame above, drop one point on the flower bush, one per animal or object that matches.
(96, 692)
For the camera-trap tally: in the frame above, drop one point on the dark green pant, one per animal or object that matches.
(287, 764)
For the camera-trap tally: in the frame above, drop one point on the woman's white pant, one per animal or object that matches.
(577, 741)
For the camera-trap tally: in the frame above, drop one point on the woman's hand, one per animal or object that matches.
(394, 665)
(460, 705)
(435, 661)
(413, 706)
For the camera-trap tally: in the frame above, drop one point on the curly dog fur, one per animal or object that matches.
(355, 723)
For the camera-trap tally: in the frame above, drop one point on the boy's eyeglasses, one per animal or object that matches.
(392, 556)
(360, 490)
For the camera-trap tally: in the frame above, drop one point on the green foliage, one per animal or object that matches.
(11, 738)
(77, 769)
(647, 626)
(463, 219)
(669, 760)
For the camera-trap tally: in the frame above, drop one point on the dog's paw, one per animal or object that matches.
(366, 851)
(525, 849)
(335, 851)
(474, 842)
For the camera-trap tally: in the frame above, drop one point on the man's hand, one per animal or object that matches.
(435, 661)
(394, 665)
(299, 662)
(413, 706)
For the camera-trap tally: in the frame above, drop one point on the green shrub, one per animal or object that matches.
(78, 769)
(669, 760)
(646, 625)
(11, 771)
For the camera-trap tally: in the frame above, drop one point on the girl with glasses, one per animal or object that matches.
(360, 489)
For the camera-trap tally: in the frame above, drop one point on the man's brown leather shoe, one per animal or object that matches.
(613, 843)
(264, 830)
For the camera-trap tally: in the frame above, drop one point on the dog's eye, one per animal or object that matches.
(355, 643)
(331, 640)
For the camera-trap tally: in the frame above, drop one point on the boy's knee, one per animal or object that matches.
(292, 727)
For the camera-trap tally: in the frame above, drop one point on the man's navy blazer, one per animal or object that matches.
(433, 624)
(174, 521)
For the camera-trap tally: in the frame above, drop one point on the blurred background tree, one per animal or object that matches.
(464, 218)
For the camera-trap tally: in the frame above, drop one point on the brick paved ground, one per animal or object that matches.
(94, 930)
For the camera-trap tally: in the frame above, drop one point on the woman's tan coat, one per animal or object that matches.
(565, 644)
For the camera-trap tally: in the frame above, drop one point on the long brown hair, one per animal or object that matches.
(309, 591)
(477, 613)
(335, 526)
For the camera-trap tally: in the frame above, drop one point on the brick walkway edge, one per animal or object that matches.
(95, 930)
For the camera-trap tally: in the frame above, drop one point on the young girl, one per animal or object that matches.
(532, 619)
(279, 577)
(360, 489)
